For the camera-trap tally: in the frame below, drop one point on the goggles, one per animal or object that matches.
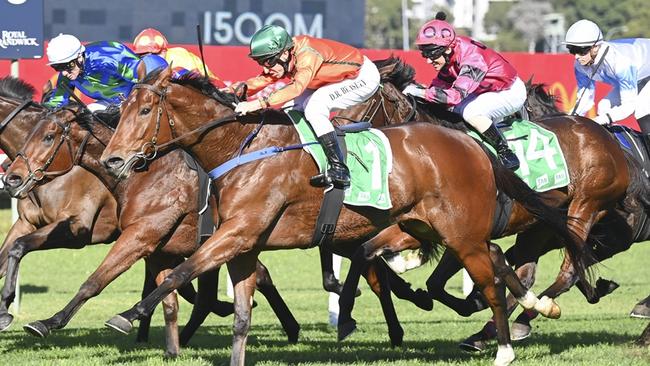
(432, 53)
(578, 50)
(66, 66)
(269, 62)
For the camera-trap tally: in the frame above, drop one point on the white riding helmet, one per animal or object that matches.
(583, 33)
(63, 48)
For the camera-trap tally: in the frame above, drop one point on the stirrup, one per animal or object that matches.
(509, 160)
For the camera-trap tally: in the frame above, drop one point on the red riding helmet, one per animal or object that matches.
(149, 41)
(436, 32)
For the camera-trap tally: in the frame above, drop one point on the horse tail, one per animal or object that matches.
(556, 217)
(638, 191)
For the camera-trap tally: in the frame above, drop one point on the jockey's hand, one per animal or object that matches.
(244, 108)
(603, 120)
(414, 90)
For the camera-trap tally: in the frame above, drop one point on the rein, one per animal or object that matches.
(41, 172)
(374, 108)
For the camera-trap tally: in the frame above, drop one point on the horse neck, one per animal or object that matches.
(15, 133)
(90, 158)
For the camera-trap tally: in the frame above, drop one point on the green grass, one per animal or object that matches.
(586, 334)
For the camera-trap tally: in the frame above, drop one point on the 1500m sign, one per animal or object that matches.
(224, 27)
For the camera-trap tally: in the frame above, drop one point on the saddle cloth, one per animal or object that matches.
(369, 159)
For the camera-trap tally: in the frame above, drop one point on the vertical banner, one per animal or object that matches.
(21, 29)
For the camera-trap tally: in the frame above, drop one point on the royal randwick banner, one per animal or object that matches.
(21, 29)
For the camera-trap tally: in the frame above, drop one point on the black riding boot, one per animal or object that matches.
(494, 137)
(338, 173)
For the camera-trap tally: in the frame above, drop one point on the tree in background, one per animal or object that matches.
(384, 23)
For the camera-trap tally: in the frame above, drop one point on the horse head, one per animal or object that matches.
(47, 152)
(159, 110)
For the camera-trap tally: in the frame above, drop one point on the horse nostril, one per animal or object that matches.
(13, 180)
(114, 162)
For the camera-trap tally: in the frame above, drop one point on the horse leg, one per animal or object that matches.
(392, 236)
(267, 288)
(162, 267)
(9, 266)
(403, 290)
(203, 301)
(476, 259)
(71, 232)
(642, 309)
(145, 323)
(446, 268)
(128, 248)
(644, 339)
(231, 239)
(242, 273)
(376, 278)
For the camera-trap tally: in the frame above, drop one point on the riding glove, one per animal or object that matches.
(414, 90)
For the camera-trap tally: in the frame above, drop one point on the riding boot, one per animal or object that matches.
(495, 138)
(338, 173)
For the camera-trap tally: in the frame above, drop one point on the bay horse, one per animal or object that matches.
(60, 214)
(158, 218)
(268, 205)
(600, 173)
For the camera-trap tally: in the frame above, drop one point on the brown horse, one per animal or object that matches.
(268, 204)
(599, 171)
(47, 220)
(158, 217)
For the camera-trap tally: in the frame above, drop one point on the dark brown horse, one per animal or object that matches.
(158, 217)
(268, 204)
(599, 174)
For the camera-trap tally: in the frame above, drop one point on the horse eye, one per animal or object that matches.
(49, 137)
(144, 111)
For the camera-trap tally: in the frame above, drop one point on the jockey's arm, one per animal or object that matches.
(586, 93)
(626, 76)
(59, 96)
(307, 64)
(468, 80)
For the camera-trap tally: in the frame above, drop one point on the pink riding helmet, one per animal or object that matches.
(436, 32)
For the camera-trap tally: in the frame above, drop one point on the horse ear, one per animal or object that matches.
(529, 82)
(141, 70)
(165, 77)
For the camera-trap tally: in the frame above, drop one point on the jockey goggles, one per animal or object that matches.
(66, 66)
(432, 52)
(578, 50)
(269, 62)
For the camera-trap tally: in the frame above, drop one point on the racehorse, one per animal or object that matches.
(268, 205)
(592, 192)
(158, 221)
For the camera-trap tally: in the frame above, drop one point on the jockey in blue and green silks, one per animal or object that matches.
(105, 71)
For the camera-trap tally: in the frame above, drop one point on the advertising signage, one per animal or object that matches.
(223, 22)
(21, 29)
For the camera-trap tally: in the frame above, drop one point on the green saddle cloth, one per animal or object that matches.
(542, 163)
(369, 159)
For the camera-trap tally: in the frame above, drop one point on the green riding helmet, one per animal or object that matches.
(269, 41)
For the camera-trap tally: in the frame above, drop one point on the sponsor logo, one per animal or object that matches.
(16, 38)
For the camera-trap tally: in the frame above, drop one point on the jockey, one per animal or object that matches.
(105, 71)
(324, 75)
(475, 81)
(626, 67)
(151, 41)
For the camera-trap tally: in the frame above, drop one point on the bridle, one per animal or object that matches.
(41, 172)
(19, 108)
(150, 149)
(377, 104)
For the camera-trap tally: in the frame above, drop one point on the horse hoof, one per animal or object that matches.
(292, 336)
(5, 321)
(520, 331)
(422, 300)
(37, 329)
(641, 311)
(120, 324)
(171, 355)
(548, 308)
(396, 338)
(475, 343)
(605, 287)
(345, 329)
(505, 356)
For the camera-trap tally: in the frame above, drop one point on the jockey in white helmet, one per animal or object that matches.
(626, 67)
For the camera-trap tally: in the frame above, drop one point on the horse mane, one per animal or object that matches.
(200, 83)
(400, 74)
(13, 88)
